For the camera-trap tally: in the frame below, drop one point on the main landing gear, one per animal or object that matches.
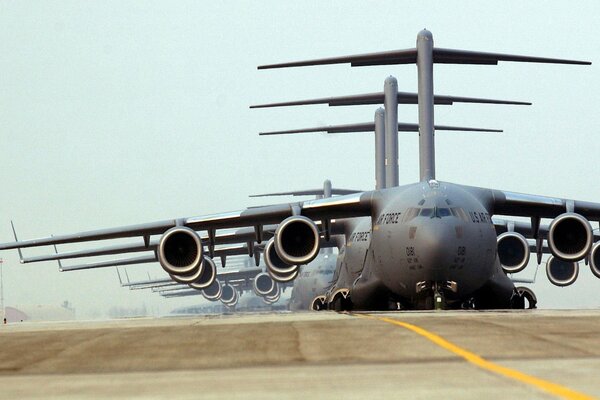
(523, 298)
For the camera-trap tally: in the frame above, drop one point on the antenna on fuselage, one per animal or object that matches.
(425, 55)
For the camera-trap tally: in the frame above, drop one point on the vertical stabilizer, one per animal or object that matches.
(425, 94)
(380, 149)
(390, 90)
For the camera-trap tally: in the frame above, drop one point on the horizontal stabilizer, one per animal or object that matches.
(378, 98)
(409, 56)
(313, 192)
(370, 127)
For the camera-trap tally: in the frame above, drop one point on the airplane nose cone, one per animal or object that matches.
(437, 246)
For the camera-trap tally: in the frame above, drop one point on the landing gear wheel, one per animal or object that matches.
(318, 304)
(523, 298)
(340, 303)
(529, 298)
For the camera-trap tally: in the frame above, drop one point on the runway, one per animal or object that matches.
(305, 355)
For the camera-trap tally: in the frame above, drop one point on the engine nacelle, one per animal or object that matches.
(228, 294)
(560, 272)
(264, 285)
(595, 260)
(274, 298)
(180, 251)
(187, 279)
(513, 252)
(208, 276)
(297, 240)
(274, 263)
(284, 278)
(570, 237)
(213, 291)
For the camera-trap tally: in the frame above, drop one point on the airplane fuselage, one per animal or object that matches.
(425, 238)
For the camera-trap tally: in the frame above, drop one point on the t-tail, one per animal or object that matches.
(424, 55)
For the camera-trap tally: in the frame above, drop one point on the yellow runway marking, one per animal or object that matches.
(482, 363)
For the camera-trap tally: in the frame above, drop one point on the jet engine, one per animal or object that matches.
(213, 291)
(180, 252)
(208, 276)
(595, 260)
(274, 263)
(284, 278)
(297, 240)
(274, 298)
(229, 296)
(513, 252)
(570, 237)
(560, 272)
(264, 285)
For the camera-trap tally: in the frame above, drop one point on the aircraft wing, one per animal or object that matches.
(220, 252)
(353, 205)
(527, 205)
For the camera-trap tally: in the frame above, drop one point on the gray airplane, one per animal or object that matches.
(424, 244)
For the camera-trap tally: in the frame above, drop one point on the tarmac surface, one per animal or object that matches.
(530, 354)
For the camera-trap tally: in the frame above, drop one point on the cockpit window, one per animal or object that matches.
(410, 213)
(426, 212)
(442, 212)
(459, 213)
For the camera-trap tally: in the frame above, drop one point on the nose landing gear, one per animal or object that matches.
(434, 296)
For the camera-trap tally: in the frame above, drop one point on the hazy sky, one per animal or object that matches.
(116, 113)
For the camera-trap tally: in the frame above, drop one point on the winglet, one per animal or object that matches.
(16, 240)
(60, 266)
(119, 275)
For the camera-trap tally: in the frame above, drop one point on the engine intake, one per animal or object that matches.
(570, 237)
(180, 251)
(297, 240)
(560, 272)
(264, 285)
(228, 295)
(213, 291)
(284, 278)
(274, 298)
(208, 276)
(513, 252)
(595, 260)
(274, 263)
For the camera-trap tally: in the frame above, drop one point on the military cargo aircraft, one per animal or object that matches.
(426, 244)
